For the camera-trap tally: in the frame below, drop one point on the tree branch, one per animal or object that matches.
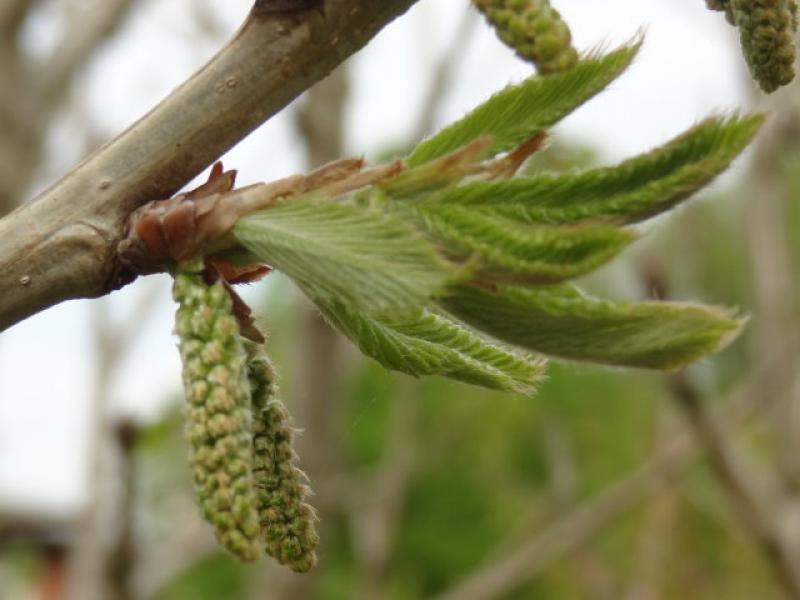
(576, 526)
(756, 512)
(62, 245)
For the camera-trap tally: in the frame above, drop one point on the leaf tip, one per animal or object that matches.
(723, 326)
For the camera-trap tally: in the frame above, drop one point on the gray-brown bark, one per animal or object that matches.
(62, 245)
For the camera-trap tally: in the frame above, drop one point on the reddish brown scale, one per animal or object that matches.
(508, 165)
(219, 181)
(173, 230)
(236, 274)
(148, 227)
(334, 172)
(242, 312)
(168, 231)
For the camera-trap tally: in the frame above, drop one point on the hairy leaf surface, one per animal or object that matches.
(562, 321)
(423, 343)
(506, 250)
(360, 256)
(631, 191)
(519, 111)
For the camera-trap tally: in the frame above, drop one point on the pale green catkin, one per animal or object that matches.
(766, 29)
(218, 414)
(287, 521)
(534, 29)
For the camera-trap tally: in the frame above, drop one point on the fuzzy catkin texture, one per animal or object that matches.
(287, 521)
(534, 29)
(722, 5)
(218, 418)
(767, 29)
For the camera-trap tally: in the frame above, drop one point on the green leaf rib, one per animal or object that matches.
(561, 321)
(519, 111)
(367, 259)
(423, 343)
(636, 189)
(506, 250)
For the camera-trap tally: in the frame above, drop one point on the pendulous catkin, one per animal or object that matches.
(534, 29)
(287, 521)
(766, 30)
(218, 414)
(722, 5)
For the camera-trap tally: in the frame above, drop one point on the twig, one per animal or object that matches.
(377, 511)
(572, 530)
(755, 508)
(776, 339)
(577, 526)
(658, 525)
(61, 245)
(751, 507)
(593, 577)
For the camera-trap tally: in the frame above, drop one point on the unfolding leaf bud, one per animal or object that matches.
(218, 419)
(534, 29)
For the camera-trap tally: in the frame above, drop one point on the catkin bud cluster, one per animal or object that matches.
(218, 414)
(534, 29)
(766, 29)
(722, 5)
(287, 521)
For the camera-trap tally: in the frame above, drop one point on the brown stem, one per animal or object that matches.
(755, 514)
(575, 527)
(61, 245)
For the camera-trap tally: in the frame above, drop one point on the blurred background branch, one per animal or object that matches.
(35, 87)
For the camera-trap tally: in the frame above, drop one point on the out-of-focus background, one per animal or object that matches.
(596, 488)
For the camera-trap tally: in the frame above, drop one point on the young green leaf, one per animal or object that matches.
(562, 321)
(355, 254)
(506, 250)
(519, 111)
(634, 190)
(423, 343)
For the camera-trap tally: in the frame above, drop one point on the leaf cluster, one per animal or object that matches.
(458, 266)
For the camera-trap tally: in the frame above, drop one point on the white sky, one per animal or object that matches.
(688, 68)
